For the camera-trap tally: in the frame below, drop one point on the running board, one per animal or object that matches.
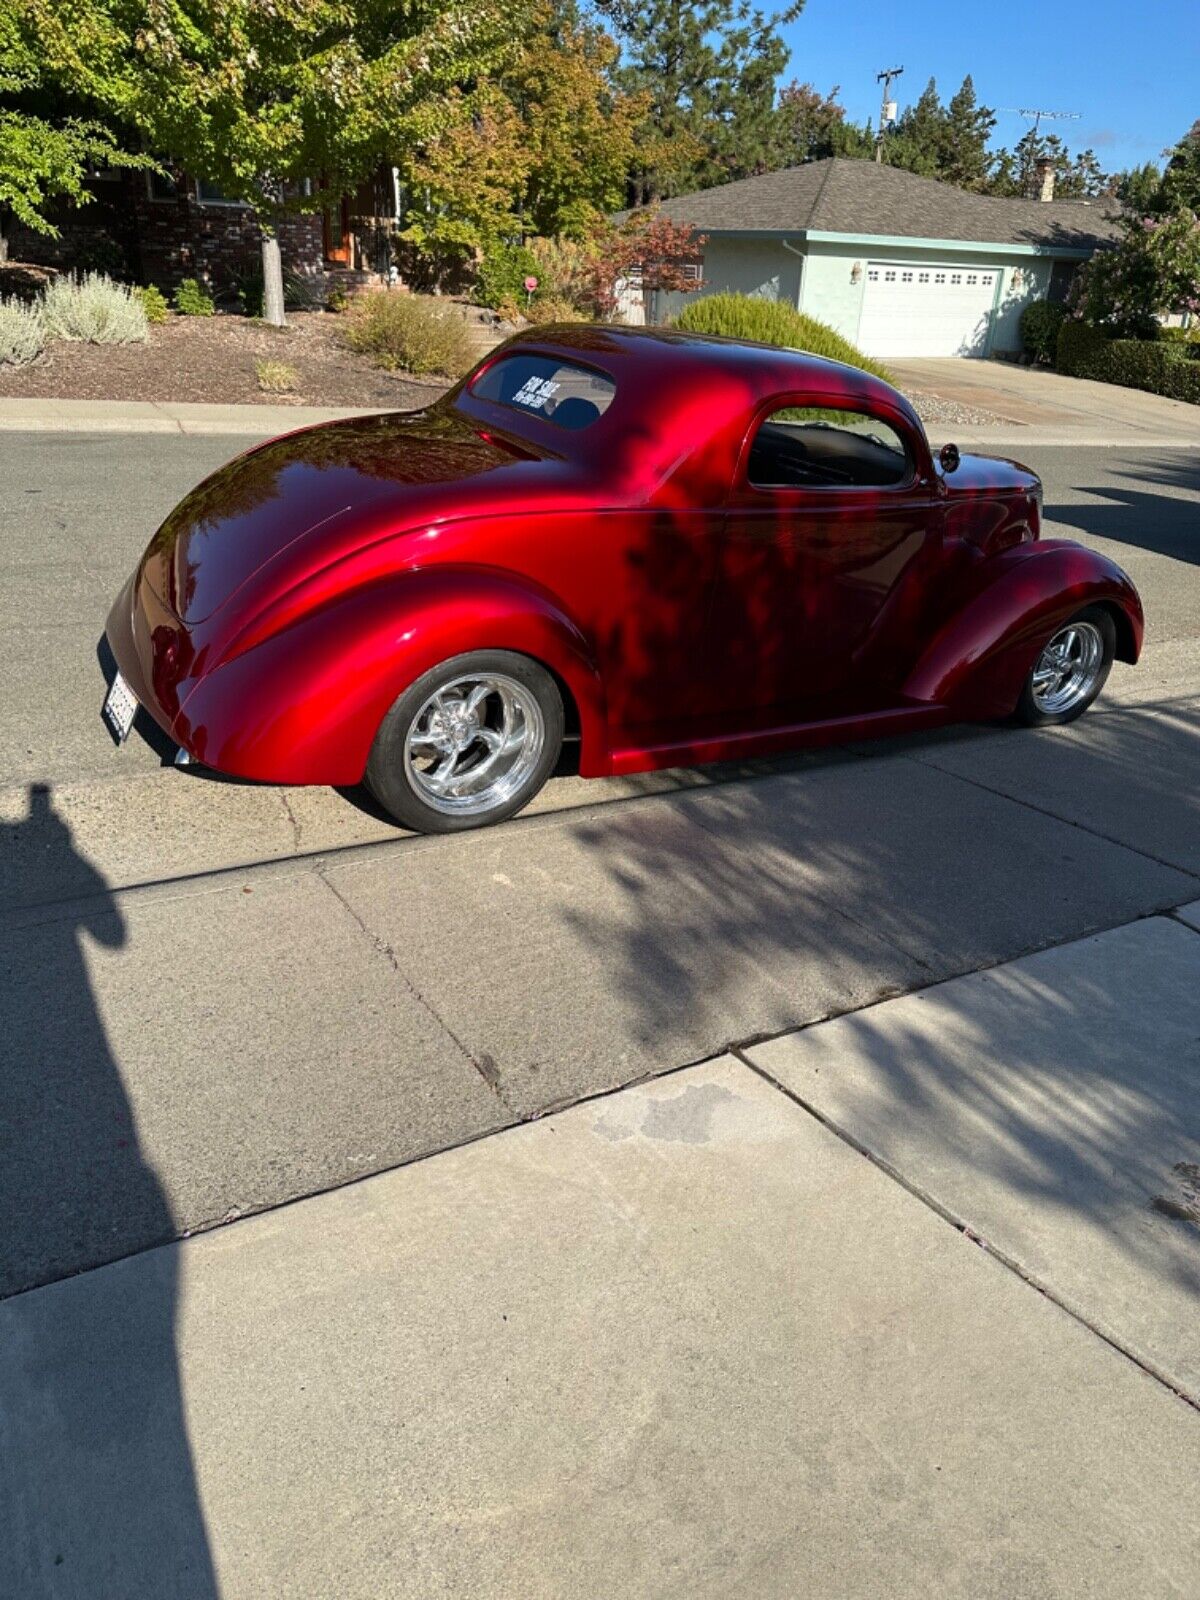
(772, 740)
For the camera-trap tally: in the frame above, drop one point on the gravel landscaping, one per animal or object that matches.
(215, 360)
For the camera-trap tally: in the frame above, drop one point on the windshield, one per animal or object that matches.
(564, 394)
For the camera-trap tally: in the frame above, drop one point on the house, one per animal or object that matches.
(155, 228)
(900, 265)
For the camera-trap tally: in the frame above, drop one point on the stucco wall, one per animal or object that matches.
(764, 268)
(830, 295)
(759, 267)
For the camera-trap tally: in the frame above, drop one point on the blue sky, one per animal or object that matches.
(1133, 72)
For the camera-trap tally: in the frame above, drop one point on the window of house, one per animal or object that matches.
(812, 447)
(211, 194)
(161, 186)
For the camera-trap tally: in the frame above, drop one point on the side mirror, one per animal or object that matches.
(949, 457)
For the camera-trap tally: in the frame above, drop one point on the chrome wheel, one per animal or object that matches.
(474, 744)
(1067, 669)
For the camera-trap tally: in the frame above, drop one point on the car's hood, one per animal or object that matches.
(335, 485)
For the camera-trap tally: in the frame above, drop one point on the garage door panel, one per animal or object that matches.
(927, 311)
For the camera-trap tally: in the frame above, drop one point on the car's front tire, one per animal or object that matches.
(1070, 670)
(469, 743)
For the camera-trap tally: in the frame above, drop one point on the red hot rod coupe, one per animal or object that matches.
(660, 548)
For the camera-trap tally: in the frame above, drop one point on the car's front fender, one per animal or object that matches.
(304, 703)
(978, 661)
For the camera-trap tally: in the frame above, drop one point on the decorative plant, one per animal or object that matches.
(22, 332)
(407, 331)
(743, 316)
(191, 300)
(94, 309)
(276, 377)
(154, 303)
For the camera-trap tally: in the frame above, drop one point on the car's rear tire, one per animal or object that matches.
(1070, 670)
(469, 743)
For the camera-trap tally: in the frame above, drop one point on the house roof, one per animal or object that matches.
(860, 198)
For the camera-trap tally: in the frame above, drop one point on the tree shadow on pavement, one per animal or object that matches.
(833, 888)
(98, 1496)
(1153, 518)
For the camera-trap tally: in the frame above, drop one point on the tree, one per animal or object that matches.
(1181, 180)
(48, 148)
(647, 242)
(965, 158)
(258, 97)
(707, 70)
(918, 141)
(811, 127)
(1075, 177)
(1155, 270)
(1137, 187)
(578, 129)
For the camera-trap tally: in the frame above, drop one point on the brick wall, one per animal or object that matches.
(127, 233)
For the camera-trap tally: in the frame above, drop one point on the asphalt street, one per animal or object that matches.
(218, 997)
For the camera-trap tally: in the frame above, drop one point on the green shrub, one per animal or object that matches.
(1078, 345)
(93, 309)
(1040, 323)
(191, 300)
(22, 332)
(501, 275)
(398, 329)
(743, 316)
(1162, 368)
(1186, 336)
(154, 303)
(337, 299)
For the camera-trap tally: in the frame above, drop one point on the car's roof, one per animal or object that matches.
(661, 351)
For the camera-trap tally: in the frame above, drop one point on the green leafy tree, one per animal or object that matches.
(48, 147)
(1137, 187)
(810, 126)
(1154, 271)
(1076, 177)
(258, 97)
(1181, 180)
(578, 128)
(918, 142)
(965, 157)
(707, 71)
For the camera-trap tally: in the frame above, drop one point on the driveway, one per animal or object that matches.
(1062, 410)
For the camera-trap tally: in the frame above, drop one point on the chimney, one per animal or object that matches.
(1044, 175)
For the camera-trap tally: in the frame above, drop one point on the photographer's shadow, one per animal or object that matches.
(98, 1496)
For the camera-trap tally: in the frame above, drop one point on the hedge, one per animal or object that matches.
(1162, 367)
(745, 316)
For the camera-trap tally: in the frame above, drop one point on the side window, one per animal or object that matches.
(812, 447)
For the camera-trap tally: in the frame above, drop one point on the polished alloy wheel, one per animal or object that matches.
(1067, 669)
(474, 744)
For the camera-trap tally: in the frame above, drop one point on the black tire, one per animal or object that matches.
(1029, 713)
(397, 784)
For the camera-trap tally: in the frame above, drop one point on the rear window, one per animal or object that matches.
(566, 395)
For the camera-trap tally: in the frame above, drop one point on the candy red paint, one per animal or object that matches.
(688, 616)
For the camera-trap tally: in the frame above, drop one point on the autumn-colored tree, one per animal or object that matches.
(647, 243)
(578, 130)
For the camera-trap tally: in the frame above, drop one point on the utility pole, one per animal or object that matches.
(887, 108)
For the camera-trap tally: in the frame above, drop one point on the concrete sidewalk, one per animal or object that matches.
(162, 416)
(682, 1341)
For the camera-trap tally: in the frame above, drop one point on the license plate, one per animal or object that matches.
(120, 708)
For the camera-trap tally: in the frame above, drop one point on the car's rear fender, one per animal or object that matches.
(304, 704)
(978, 661)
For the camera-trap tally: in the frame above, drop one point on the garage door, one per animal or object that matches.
(926, 311)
